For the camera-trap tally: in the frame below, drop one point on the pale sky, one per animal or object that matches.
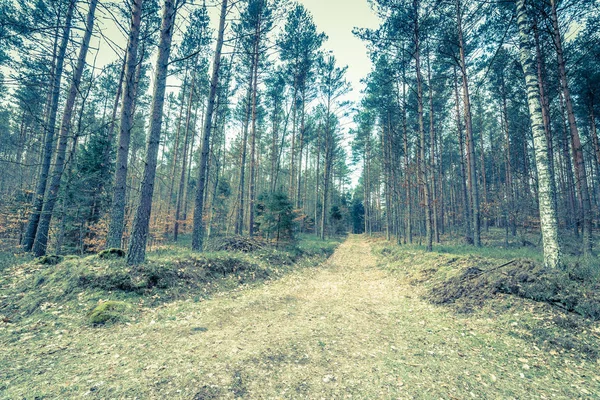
(337, 18)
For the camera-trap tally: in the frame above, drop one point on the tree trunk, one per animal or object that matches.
(463, 178)
(177, 140)
(578, 159)
(41, 238)
(117, 215)
(198, 233)
(471, 159)
(50, 128)
(595, 141)
(239, 227)
(548, 216)
(434, 195)
(140, 229)
(253, 161)
(184, 161)
(423, 176)
(510, 205)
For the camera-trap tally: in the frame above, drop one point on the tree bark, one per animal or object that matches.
(546, 190)
(253, 163)
(471, 159)
(41, 238)
(578, 159)
(198, 233)
(423, 175)
(184, 161)
(463, 169)
(50, 128)
(141, 223)
(117, 214)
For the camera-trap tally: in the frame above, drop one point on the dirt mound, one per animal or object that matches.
(474, 285)
(237, 243)
(469, 289)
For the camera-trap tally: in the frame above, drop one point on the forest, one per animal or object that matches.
(475, 116)
(153, 151)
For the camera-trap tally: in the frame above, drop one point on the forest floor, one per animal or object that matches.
(358, 326)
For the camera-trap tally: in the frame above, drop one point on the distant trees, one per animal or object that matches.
(481, 117)
(263, 78)
(475, 116)
(276, 216)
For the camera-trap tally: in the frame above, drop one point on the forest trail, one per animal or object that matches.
(347, 329)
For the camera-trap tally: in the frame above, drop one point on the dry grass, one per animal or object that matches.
(346, 330)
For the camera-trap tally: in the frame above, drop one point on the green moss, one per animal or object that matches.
(51, 259)
(111, 253)
(108, 311)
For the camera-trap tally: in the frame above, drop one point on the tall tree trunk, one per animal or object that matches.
(186, 138)
(291, 188)
(50, 129)
(301, 145)
(541, 67)
(572, 218)
(41, 238)
(434, 194)
(578, 159)
(595, 141)
(253, 161)
(423, 175)
(239, 227)
(407, 182)
(463, 170)
(198, 233)
(178, 138)
(117, 214)
(387, 154)
(471, 159)
(546, 189)
(511, 219)
(141, 223)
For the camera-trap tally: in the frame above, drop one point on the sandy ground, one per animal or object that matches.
(347, 329)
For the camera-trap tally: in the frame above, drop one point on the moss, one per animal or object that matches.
(111, 253)
(51, 259)
(108, 311)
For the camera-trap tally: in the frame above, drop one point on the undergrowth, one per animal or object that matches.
(566, 302)
(76, 285)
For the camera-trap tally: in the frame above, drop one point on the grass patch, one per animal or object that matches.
(567, 302)
(348, 329)
(171, 273)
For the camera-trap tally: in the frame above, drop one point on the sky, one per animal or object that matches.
(337, 18)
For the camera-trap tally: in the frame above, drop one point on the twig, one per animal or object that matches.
(492, 269)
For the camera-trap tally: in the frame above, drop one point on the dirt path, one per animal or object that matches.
(345, 330)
